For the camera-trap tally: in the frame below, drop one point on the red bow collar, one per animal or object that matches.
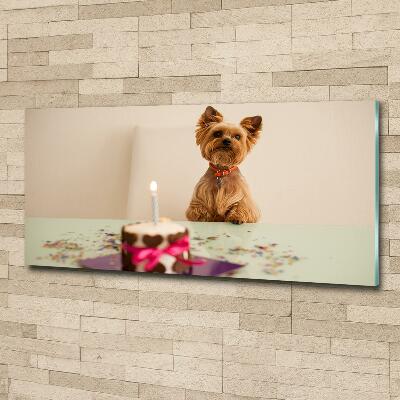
(221, 172)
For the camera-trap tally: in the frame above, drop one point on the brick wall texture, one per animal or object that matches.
(93, 336)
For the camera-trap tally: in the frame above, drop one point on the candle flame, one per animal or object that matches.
(153, 186)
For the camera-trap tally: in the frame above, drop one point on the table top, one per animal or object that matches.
(302, 253)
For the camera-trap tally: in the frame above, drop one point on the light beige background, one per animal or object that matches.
(248, 339)
(316, 167)
(76, 166)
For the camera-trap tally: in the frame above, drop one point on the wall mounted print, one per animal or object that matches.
(271, 191)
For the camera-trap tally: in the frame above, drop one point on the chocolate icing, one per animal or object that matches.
(159, 268)
(152, 241)
(176, 236)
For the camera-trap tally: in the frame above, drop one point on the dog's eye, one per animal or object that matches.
(217, 134)
(237, 137)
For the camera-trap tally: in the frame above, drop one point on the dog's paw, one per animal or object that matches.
(205, 218)
(198, 214)
(240, 215)
(235, 217)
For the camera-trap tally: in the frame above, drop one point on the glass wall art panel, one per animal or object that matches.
(266, 191)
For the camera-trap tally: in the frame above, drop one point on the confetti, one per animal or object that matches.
(269, 256)
(77, 246)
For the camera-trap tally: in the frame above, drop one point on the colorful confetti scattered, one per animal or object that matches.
(77, 246)
(271, 257)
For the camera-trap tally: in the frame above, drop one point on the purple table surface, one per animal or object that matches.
(211, 267)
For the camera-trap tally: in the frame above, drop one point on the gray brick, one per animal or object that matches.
(179, 6)
(322, 43)
(125, 9)
(265, 323)
(51, 72)
(394, 108)
(342, 59)
(151, 392)
(46, 43)
(114, 387)
(12, 102)
(56, 100)
(247, 387)
(14, 357)
(241, 17)
(29, 331)
(117, 100)
(11, 230)
(24, 59)
(163, 300)
(346, 330)
(187, 68)
(331, 362)
(345, 295)
(394, 213)
(11, 202)
(360, 348)
(384, 214)
(376, 7)
(276, 94)
(15, 329)
(296, 392)
(346, 76)
(260, 3)
(249, 355)
(390, 178)
(237, 304)
(3, 299)
(264, 63)
(394, 266)
(273, 45)
(100, 86)
(26, 88)
(24, 4)
(395, 351)
(327, 9)
(376, 40)
(263, 31)
(42, 14)
(172, 84)
(165, 53)
(394, 91)
(389, 144)
(28, 374)
(199, 35)
(75, 292)
(384, 247)
(164, 22)
(319, 311)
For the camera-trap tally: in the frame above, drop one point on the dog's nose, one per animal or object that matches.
(226, 142)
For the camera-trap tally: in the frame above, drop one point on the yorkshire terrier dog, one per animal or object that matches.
(222, 193)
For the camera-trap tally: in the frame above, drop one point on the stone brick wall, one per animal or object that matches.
(92, 336)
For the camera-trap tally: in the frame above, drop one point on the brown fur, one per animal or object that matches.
(229, 201)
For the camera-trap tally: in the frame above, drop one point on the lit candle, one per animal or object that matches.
(154, 201)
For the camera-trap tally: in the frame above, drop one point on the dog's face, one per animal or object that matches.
(225, 144)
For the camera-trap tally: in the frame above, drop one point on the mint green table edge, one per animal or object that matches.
(377, 158)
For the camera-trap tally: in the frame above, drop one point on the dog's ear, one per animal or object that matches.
(253, 126)
(209, 116)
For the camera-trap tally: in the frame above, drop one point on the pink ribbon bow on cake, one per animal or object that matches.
(153, 254)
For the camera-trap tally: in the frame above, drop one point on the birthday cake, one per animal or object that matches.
(162, 247)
